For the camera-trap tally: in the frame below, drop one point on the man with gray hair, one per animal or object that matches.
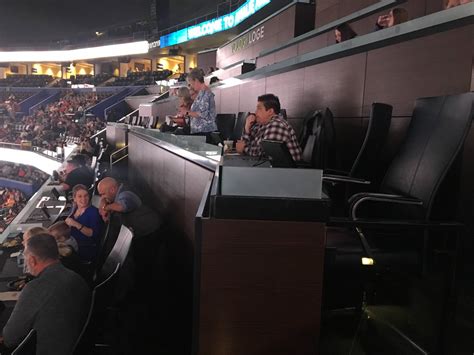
(55, 303)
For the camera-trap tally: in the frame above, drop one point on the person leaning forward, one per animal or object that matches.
(115, 198)
(143, 221)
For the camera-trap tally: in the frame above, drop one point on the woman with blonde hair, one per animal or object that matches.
(85, 223)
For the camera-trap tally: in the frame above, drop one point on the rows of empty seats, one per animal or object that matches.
(24, 80)
(141, 78)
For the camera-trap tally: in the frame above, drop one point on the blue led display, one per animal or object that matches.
(213, 26)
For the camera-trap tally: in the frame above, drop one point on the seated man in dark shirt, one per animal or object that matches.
(266, 124)
(77, 172)
(55, 303)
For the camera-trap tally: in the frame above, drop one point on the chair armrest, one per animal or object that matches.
(356, 200)
(346, 179)
(303, 164)
(403, 223)
(335, 172)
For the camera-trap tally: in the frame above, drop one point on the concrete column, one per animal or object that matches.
(97, 68)
(154, 60)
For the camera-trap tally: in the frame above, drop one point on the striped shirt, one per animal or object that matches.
(276, 129)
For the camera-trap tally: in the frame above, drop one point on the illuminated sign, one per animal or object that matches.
(114, 50)
(216, 25)
(154, 44)
(249, 38)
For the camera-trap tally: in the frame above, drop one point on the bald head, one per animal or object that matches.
(108, 188)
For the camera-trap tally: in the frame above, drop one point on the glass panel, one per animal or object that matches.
(194, 144)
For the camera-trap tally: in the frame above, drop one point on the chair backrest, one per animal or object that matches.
(225, 124)
(86, 322)
(366, 164)
(239, 126)
(102, 296)
(117, 255)
(27, 346)
(436, 134)
(283, 114)
(153, 122)
(319, 139)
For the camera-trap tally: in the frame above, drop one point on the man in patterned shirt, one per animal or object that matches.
(267, 124)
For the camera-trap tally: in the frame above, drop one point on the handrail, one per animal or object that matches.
(357, 15)
(423, 26)
(102, 131)
(111, 160)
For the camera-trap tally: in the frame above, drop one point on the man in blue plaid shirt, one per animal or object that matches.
(265, 123)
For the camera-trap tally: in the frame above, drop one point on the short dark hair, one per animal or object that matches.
(400, 15)
(196, 74)
(270, 101)
(78, 160)
(43, 246)
(346, 31)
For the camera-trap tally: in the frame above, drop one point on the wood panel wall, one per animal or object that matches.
(169, 183)
(206, 60)
(260, 287)
(331, 10)
(438, 64)
(292, 22)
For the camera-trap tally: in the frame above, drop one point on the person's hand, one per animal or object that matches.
(240, 146)
(382, 21)
(182, 111)
(249, 122)
(102, 202)
(71, 222)
(104, 214)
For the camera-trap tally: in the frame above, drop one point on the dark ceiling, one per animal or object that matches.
(26, 22)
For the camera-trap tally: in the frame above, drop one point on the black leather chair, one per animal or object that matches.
(110, 288)
(392, 229)
(153, 122)
(225, 124)
(368, 164)
(117, 255)
(368, 159)
(102, 297)
(318, 140)
(81, 347)
(239, 126)
(27, 346)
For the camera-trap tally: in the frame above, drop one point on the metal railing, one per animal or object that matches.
(39, 150)
(113, 154)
